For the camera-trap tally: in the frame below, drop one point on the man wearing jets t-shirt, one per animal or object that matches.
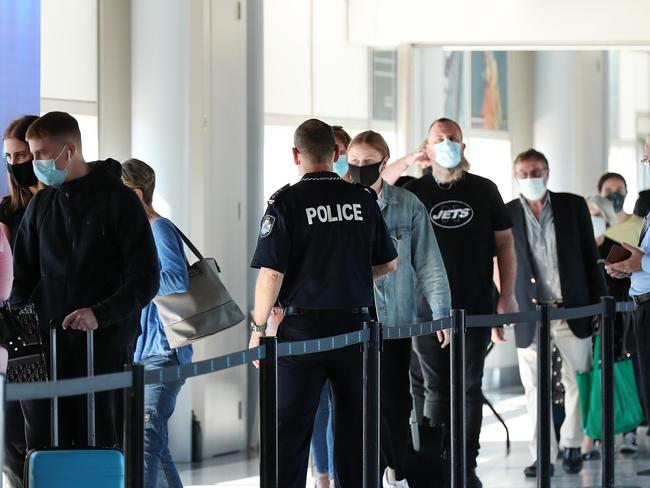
(472, 226)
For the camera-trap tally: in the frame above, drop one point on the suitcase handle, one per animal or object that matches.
(90, 400)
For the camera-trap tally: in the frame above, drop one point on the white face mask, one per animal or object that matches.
(599, 225)
(532, 188)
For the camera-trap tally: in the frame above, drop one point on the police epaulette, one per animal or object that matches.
(275, 197)
(372, 192)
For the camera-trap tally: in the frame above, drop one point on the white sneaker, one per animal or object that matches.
(398, 484)
(629, 444)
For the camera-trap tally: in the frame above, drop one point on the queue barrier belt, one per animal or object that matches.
(184, 371)
(414, 330)
(114, 381)
(475, 321)
(576, 313)
(70, 387)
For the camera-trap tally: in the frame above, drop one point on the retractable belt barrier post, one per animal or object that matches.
(269, 413)
(134, 436)
(457, 399)
(608, 319)
(543, 397)
(371, 398)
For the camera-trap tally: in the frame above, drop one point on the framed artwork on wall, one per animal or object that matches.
(489, 90)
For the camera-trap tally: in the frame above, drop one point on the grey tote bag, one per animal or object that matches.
(205, 309)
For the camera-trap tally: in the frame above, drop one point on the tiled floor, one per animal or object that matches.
(497, 469)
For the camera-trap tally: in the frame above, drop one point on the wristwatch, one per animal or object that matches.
(257, 328)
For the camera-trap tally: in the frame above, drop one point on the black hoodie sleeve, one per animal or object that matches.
(138, 256)
(26, 254)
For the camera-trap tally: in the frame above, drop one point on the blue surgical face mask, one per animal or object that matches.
(47, 172)
(341, 165)
(448, 153)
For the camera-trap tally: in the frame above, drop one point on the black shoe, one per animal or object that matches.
(472, 480)
(531, 471)
(572, 460)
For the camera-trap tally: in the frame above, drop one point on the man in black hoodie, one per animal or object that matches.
(85, 256)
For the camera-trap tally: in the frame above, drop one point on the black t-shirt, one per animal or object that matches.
(325, 235)
(11, 219)
(464, 217)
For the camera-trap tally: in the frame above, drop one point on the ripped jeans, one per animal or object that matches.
(159, 402)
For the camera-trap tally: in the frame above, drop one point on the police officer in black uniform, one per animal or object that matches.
(321, 243)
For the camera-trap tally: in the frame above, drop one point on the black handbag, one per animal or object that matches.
(20, 333)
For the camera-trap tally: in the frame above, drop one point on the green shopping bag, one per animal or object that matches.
(628, 413)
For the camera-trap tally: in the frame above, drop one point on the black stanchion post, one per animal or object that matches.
(608, 319)
(543, 397)
(457, 398)
(269, 414)
(371, 392)
(134, 429)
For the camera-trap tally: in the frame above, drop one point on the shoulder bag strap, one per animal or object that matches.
(192, 247)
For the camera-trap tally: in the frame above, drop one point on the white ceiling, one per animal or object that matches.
(505, 24)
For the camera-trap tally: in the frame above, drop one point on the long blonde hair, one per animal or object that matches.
(374, 140)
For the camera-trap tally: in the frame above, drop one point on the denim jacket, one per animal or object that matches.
(420, 269)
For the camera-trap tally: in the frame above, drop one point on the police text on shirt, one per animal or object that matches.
(325, 213)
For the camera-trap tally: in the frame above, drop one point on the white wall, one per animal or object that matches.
(310, 67)
(69, 49)
(160, 98)
(287, 57)
(159, 114)
(340, 68)
(570, 123)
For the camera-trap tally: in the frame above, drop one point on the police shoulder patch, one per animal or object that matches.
(372, 192)
(276, 196)
(267, 225)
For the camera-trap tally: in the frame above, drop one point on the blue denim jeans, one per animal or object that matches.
(159, 403)
(322, 439)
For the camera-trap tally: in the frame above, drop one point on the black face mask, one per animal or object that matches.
(23, 174)
(366, 175)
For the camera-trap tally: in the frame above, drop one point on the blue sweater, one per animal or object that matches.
(173, 279)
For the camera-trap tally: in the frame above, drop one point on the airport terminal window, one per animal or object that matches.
(88, 125)
(279, 168)
(491, 158)
(384, 85)
(621, 157)
(629, 117)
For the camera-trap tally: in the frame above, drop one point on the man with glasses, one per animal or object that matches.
(557, 265)
(637, 267)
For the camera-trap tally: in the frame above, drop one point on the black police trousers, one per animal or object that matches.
(300, 383)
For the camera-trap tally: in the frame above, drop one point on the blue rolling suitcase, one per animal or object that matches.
(74, 468)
